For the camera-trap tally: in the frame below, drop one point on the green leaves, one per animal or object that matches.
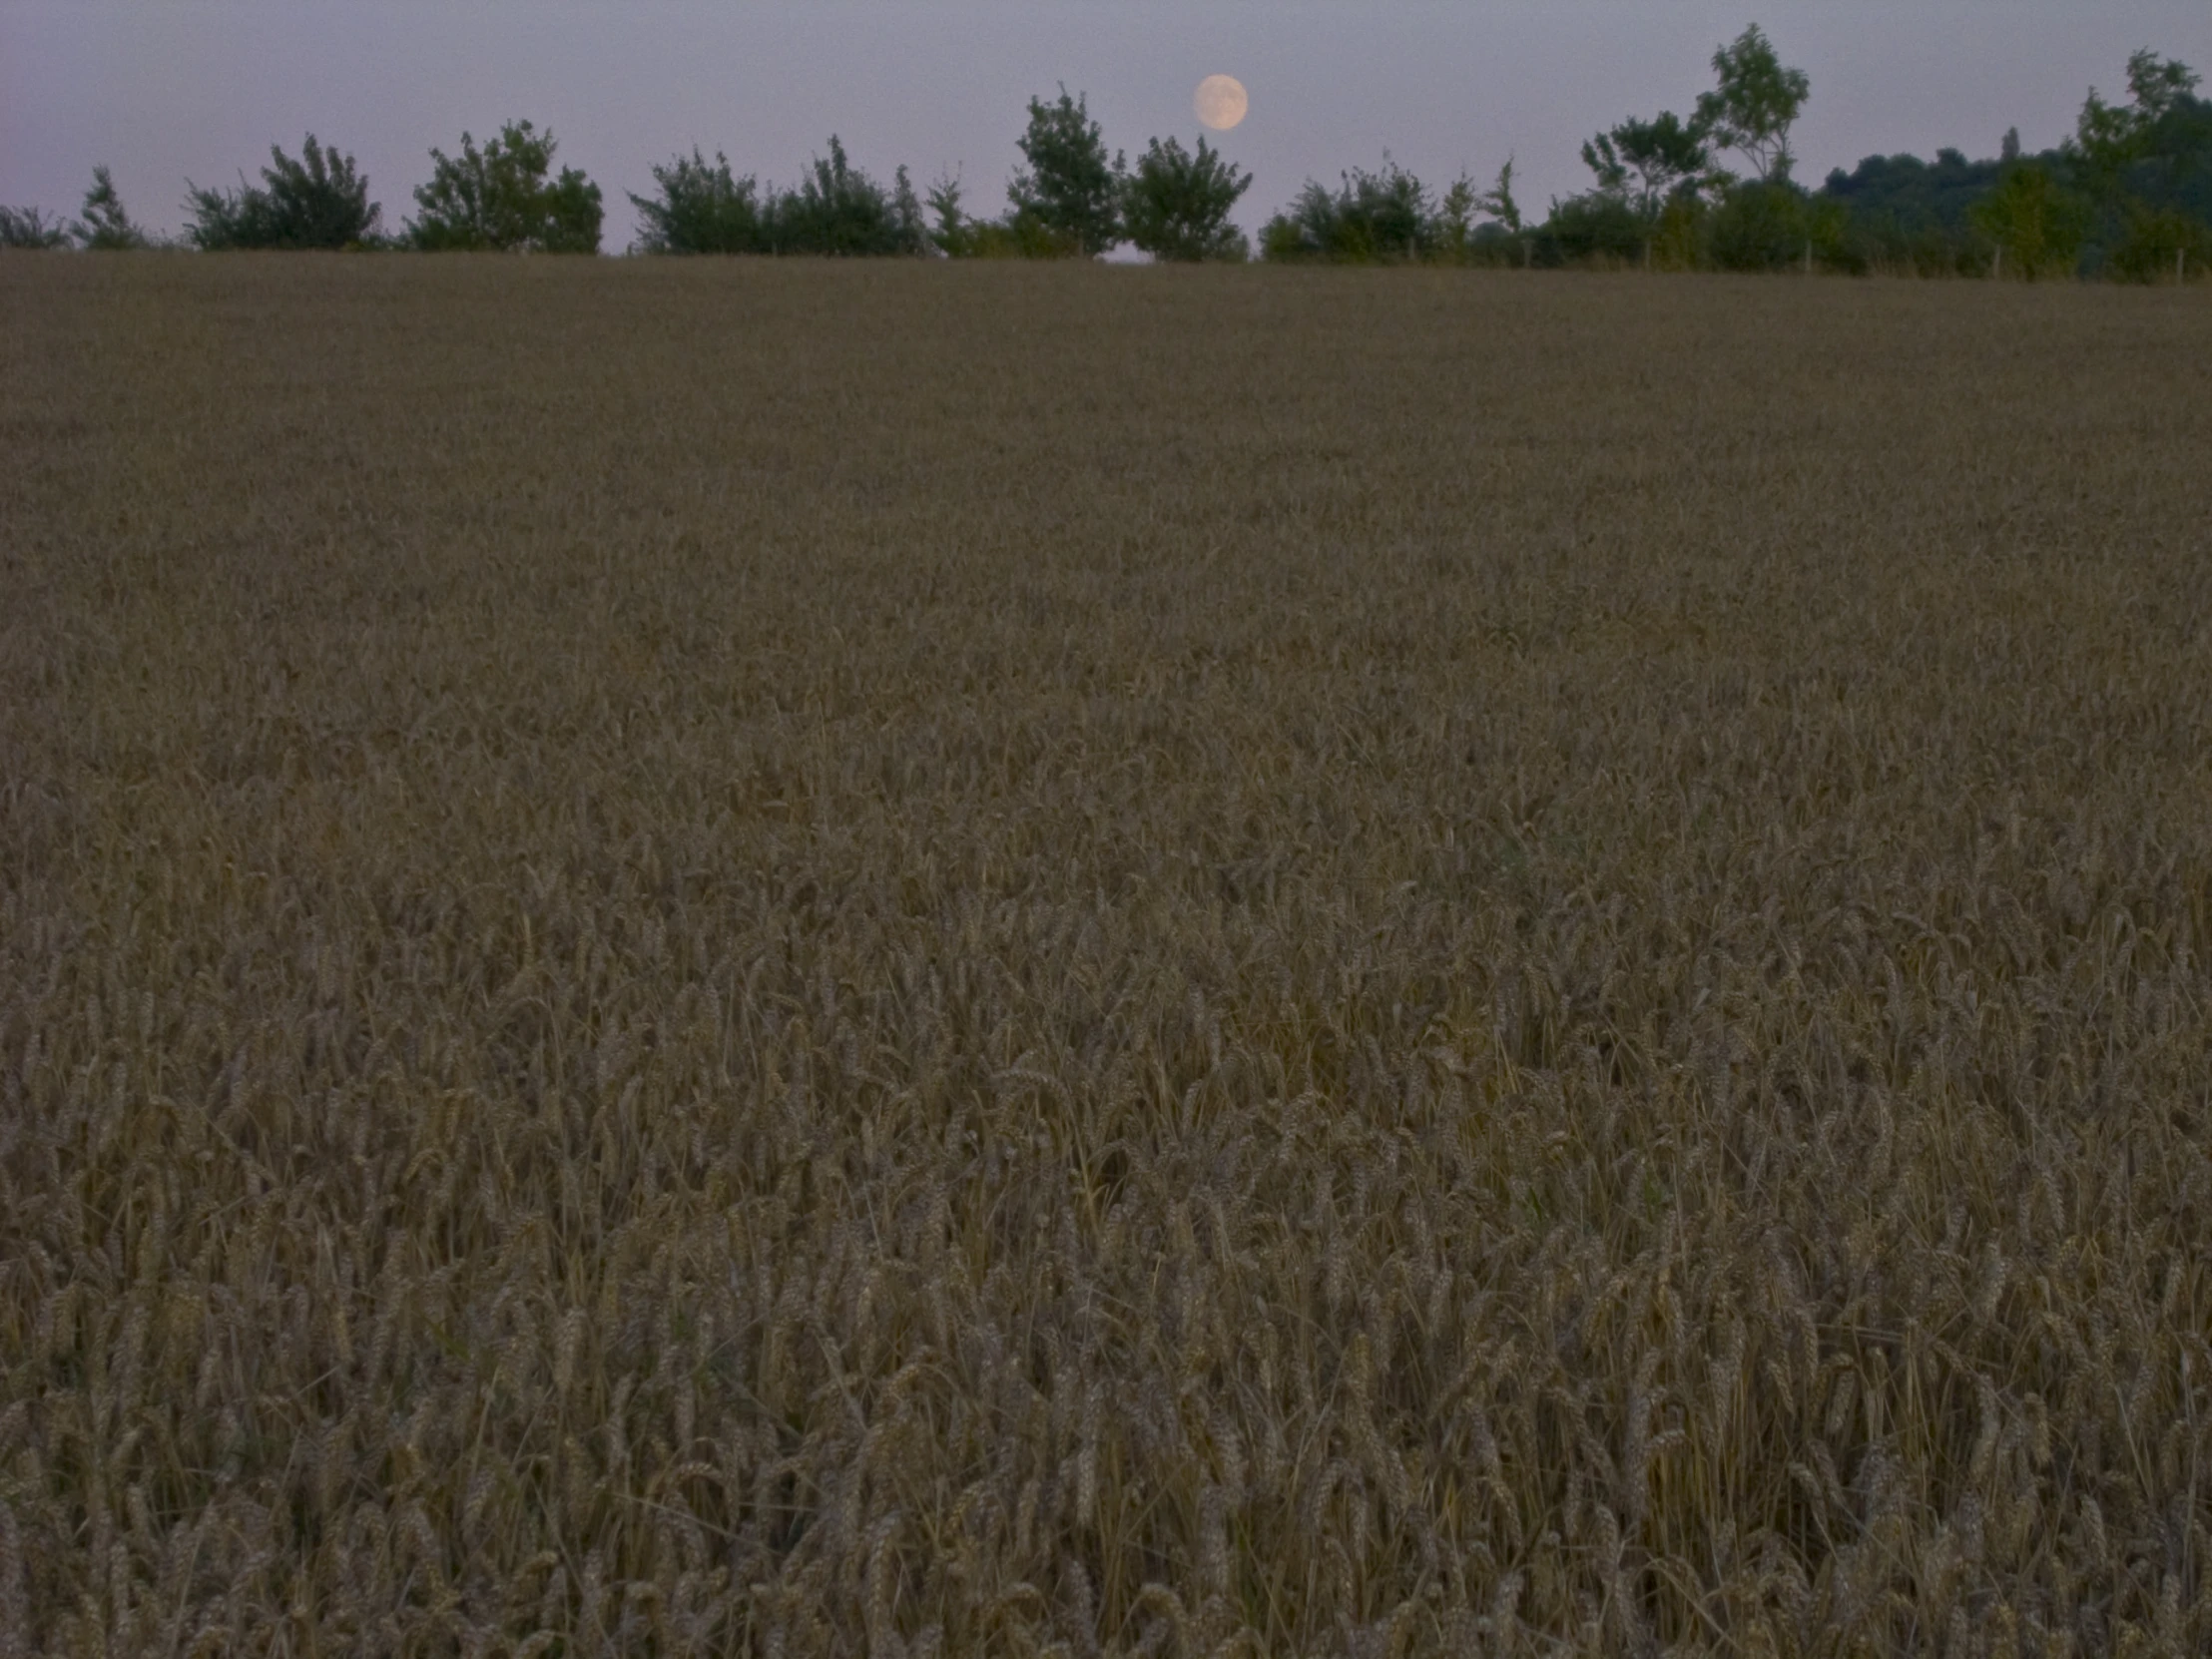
(105, 227)
(2037, 222)
(1176, 204)
(501, 197)
(1069, 186)
(1756, 103)
(318, 201)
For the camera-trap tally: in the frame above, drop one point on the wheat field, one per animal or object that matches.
(896, 961)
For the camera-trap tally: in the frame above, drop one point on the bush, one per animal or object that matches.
(501, 197)
(1759, 227)
(2160, 243)
(29, 228)
(838, 210)
(701, 210)
(319, 201)
(2030, 216)
(1176, 204)
(1599, 224)
(1370, 218)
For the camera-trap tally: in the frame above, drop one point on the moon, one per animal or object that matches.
(1220, 102)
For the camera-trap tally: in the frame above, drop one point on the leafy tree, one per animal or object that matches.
(319, 201)
(1755, 105)
(701, 209)
(840, 209)
(105, 227)
(2108, 137)
(1667, 154)
(502, 198)
(29, 228)
(2036, 219)
(1372, 217)
(1069, 185)
(1498, 201)
(1176, 204)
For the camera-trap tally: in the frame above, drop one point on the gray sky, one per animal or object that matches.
(163, 90)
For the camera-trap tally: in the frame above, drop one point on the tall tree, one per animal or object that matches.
(1176, 204)
(504, 198)
(318, 201)
(1070, 186)
(1756, 103)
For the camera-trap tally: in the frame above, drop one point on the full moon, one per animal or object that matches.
(1220, 102)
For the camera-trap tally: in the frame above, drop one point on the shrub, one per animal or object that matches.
(1176, 204)
(838, 210)
(1759, 227)
(1370, 218)
(2036, 219)
(29, 228)
(2158, 244)
(319, 201)
(502, 198)
(702, 208)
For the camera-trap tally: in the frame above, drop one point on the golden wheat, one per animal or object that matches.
(788, 959)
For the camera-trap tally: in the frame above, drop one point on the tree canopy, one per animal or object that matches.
(320, 200)
(1070, 186)
(1176, 204)
(504, 198)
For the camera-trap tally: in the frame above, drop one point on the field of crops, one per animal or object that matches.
(893, 959)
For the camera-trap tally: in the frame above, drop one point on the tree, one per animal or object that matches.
(1370, 218)
(1069, 185)
(838, 210)
(105, 227)
(1498, 201)
(2034, 220)
(700, 210)
(2109, 138)
(1755, 105)
(319, 201)
(501, 197)
(1176, 204)
(29, 228)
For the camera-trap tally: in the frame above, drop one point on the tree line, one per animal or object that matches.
(2127, 195)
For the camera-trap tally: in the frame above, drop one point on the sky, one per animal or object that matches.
(166, 90)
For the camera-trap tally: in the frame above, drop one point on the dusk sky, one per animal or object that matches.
(163, 90)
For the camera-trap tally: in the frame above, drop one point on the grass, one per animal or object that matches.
(799, 961)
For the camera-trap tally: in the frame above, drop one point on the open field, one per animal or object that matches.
(893, 959)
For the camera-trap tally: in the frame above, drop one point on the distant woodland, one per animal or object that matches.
(1714, 187)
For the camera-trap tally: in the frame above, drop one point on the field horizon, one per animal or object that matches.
(805, 958)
